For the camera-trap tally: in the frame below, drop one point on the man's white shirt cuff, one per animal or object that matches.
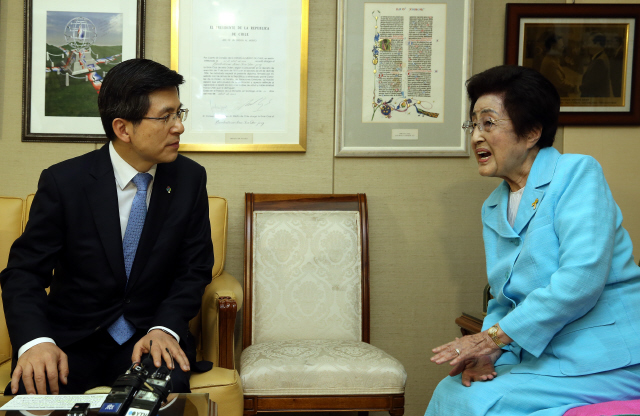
(33, 343)
(167, 330)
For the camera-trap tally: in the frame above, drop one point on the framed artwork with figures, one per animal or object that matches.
(588, 51)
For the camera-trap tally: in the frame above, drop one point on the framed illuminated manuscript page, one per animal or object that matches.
(245, 67)
(400, 73)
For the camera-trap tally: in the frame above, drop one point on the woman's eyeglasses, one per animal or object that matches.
(484, 124)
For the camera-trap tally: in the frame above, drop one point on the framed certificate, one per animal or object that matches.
(245, 66)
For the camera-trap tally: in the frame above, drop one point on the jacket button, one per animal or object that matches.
(127, 301)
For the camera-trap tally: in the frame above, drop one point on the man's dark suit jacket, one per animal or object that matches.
(595, 81)
(74, 229)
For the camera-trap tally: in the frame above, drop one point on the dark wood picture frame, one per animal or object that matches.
(62, 128)
(533, 29)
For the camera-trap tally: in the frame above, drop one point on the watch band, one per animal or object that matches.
(493, 333)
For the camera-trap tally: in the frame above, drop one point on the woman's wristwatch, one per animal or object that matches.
(493, 333)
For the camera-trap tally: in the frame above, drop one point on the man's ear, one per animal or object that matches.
(533, 137)
(122, 129)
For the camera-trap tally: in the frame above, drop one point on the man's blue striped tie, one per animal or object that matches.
(122, 330)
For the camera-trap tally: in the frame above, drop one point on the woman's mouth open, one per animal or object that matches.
(483, 155)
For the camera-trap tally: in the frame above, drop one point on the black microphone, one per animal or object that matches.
(153, 392)
(123, 390)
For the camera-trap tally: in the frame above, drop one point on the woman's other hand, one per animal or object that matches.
(468, 347)
(477, 369)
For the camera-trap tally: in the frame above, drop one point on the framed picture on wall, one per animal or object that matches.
(245, 65)
(392, 95)
(588, 51)
(69, 46)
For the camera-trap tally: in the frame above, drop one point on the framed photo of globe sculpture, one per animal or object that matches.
(69, 47)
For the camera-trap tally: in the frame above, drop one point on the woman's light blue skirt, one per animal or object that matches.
(532, 394)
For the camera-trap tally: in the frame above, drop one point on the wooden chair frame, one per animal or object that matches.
(393, 403)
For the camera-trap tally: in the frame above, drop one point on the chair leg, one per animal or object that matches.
(250, 406)
(363, 413)
(397, 412)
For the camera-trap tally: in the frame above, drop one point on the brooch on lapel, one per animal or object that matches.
(535, 203)
(169, 191)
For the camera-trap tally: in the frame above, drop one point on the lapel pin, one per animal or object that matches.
(169, 191)
(535, 203)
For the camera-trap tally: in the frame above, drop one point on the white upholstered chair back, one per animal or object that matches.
(306, 276)
(306, 311)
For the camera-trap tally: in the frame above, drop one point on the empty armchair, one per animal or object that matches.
(306, 309)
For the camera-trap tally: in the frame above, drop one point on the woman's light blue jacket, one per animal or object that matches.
(566, 288)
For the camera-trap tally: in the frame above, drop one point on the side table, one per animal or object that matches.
(470, 323)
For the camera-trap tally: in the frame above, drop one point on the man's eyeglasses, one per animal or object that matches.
(172, 117)
(484, 124)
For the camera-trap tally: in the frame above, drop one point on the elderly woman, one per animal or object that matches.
(563, 328)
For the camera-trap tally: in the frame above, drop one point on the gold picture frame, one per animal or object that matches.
(246, 88)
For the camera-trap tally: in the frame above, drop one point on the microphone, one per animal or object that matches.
(153, 392)
(123, 391)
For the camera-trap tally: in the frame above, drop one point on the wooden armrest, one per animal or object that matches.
(469, 325)
(219, 311)
(228, 313)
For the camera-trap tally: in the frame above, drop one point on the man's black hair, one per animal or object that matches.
(126, 88)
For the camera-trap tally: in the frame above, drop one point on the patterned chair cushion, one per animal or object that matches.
(319, 367)
(306, 276)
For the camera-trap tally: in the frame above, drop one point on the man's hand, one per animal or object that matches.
(159, 349)
(38, 364)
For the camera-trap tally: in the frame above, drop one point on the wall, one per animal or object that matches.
(427, 259)
(614, 148)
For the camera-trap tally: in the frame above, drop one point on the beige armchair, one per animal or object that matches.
(213, 327)
(306, 309)
(11, 226)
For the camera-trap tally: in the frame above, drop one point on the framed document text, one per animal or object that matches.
(400, 74)
(245, 66)
(69, 45)
(588, 51)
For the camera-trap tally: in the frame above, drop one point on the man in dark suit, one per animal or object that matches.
(616, 63)
(595, 80)
(121, 236)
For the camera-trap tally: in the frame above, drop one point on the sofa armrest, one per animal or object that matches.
(221, 301)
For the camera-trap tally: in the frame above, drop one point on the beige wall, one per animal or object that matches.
(427, 260)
